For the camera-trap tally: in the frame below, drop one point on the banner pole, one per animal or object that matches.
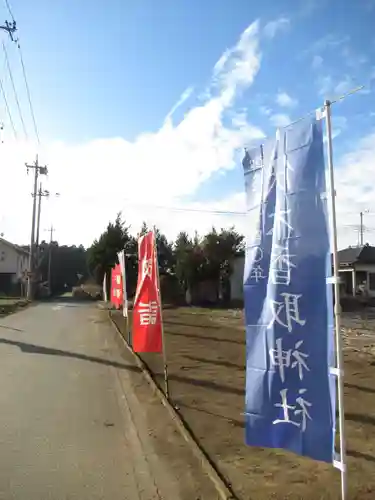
(337, 310)
(125, 308)
(166, 381)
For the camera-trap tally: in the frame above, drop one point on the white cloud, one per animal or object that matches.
(356, 191)
(280, 25)
(283, 99)
(354, 187)
(98, 178)
(280, 120)
(237, 67)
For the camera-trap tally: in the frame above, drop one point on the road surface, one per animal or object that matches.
(71, 425)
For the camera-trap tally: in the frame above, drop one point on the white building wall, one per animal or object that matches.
(8, 259)
(12, 261)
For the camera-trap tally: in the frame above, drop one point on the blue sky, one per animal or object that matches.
(105, 76)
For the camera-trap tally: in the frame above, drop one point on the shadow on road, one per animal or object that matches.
(10, 328)
(36, 349)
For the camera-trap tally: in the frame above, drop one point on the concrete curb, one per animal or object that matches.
(221, 487)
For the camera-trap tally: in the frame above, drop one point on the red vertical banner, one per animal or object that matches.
(116, 287)
(147, 322)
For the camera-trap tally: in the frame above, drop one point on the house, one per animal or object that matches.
(357, 271)
(13, 268)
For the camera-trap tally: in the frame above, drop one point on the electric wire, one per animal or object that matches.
(9, 9)
(28, 92)
(15, 91)
(8, 109)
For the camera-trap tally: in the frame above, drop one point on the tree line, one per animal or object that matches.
(67, 268)
(186, 266)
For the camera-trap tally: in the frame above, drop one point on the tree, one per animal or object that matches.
(165, 254)
(231, 245)
(207, 259)
(102, 255)
(190, 261)
(166, 258)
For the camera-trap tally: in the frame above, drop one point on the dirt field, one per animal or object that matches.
(206, 356)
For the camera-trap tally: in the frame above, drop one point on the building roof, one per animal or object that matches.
(17, 248)
(350, 255)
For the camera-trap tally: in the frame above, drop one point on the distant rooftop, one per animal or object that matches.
(350, 255)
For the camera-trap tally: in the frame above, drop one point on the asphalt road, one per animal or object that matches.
(70, 426)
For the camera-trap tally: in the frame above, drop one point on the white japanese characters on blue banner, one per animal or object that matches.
(290, 393)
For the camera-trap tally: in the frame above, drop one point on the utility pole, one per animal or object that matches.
(38, 169)
(40, 194)
(50, 257)
(362, 227)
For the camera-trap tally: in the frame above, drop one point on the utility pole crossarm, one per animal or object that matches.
(10, 28)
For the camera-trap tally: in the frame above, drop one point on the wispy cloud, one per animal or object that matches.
(285, 100)
(265, 110)
(183, 98)
(336, 87)
(344, 85)
(339, 125)
(325, 85)
(280, 120)
(330, 87)
(237, 67)
(326, 43)
(277, 26)
(167, 164)
(353, 59)
(317, 61)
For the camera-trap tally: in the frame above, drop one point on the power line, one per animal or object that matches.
(169, 208)
(8, 110)
(28, 92)
(9, 10)
(15, 91)
(198, 210)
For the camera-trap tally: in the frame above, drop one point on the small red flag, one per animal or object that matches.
(147, 322)
(116, 287)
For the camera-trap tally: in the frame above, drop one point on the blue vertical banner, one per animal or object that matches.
(290, 391)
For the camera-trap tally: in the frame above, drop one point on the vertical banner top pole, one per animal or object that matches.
(166, 382)
(337, 310)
